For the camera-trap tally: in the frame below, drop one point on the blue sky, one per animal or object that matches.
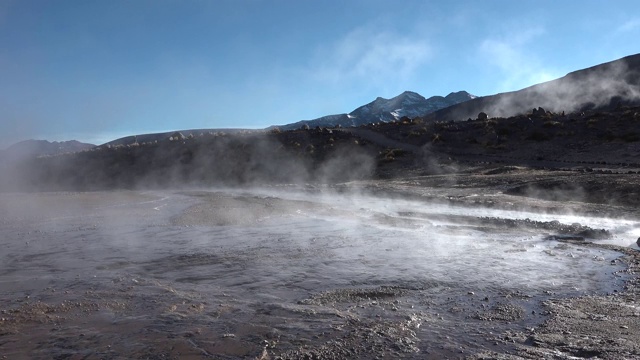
(97, 70)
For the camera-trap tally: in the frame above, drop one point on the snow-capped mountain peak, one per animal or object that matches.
(408, 103)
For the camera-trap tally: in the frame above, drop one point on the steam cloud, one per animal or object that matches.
(207, 160)
(609, 84)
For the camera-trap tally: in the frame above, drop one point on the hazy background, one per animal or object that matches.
(97, 70)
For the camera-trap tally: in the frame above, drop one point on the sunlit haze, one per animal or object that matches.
(94, 71)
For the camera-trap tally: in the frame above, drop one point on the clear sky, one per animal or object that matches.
(97, 70)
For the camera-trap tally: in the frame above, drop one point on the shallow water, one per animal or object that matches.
(230, 273)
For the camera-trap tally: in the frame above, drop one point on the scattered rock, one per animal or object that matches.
(176, 136)
(503, 312)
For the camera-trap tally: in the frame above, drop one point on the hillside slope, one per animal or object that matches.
(609, 84)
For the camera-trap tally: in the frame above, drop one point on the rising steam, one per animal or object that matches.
(611, 84)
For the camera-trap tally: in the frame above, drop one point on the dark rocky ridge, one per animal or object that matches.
(182, 134)
(409, 104)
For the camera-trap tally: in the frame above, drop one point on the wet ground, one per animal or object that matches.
(298, 272)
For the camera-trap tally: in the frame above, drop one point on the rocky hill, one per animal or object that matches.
(606, 85)
(174, 135)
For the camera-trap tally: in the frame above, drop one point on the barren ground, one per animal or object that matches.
(291, 272)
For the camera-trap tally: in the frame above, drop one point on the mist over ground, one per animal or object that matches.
(206, 160)
(429, 237)
(355, 271)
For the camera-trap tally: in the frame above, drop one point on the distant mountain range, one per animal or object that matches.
(409, 104)
(605, 85)
(34, 148)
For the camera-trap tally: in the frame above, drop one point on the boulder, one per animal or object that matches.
(539, 112)
(483, 116)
